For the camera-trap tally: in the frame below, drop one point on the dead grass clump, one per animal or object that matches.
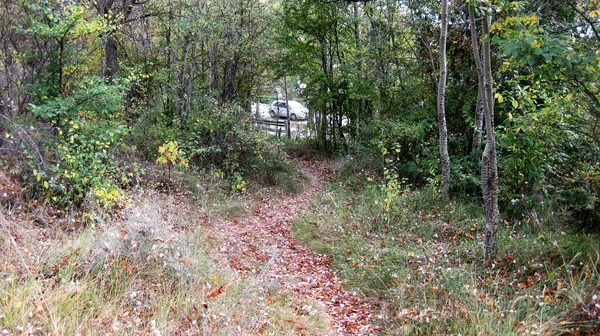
(137, 274)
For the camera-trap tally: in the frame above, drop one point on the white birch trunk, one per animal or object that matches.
(441, 105)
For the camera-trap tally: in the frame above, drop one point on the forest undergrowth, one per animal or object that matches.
(150, 268)
(153, 266)
(421, 261)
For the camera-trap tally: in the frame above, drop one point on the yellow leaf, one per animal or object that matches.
(595, 13)
(499, 97)
(547, 299)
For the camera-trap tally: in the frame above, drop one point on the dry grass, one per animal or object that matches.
(423, 263)
(148, 272)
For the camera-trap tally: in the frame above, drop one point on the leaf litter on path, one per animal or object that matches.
(261, 244)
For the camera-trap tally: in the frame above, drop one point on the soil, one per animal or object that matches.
(261, 244)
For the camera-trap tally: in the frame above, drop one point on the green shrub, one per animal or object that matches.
(406, 147)
(88, 132)
(219, 138)
(547, 164)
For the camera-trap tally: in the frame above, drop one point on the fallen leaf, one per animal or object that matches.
(217, 291)
(186, 261)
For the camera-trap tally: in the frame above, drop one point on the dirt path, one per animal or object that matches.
(261, 244)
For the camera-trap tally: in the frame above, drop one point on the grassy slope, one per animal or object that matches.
(422, 261)
(152, 270)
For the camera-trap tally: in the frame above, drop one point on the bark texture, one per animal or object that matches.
(441, 105)
(111, 50)
(489, 161)
(478, 121)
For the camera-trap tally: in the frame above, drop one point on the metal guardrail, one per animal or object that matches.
(297, 129)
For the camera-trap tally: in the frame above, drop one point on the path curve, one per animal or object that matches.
(264, 238)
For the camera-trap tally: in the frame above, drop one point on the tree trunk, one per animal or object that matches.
(228, 93)
(110, 52)
(478, 131)
(181, 87)
(441, 105)
(287, 106)
(190, 86)
(489, 161)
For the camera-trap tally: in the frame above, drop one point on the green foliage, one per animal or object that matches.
(546, 161)
(237, 183)
(405, 147)
(547, 139)
(89, 132)
(60, 27)
(218, 138)
(170, 155)
(421, 259)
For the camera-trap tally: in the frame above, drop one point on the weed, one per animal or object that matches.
(423, 260)
(143, 274)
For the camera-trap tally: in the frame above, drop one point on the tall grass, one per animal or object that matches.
(422, 261)
(147, 273)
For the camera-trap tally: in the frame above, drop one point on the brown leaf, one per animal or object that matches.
(526, 283)
(186, 261)
(217, 291)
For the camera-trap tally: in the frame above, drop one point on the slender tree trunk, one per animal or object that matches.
(212, 68)
(287, 106)
(478, 131)
(190, 86)
(181, 87)
(489, 161)
(441, 105)
(228, 93)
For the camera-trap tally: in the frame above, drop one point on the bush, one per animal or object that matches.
(547, 165)
(406, 147)
(88, 130)
(218, 138)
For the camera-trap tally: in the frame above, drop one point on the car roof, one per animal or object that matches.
(289, 101)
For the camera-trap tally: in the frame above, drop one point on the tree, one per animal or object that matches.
(441, 104)
(489, 162)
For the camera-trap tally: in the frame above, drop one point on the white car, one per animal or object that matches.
(296, 110)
